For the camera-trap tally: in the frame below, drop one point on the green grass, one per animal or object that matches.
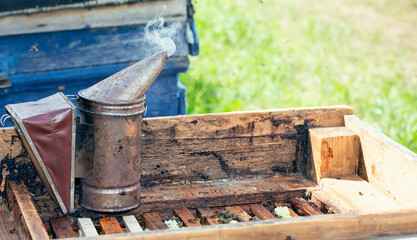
(282, 54)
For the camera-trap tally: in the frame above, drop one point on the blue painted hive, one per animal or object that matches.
(49, 48)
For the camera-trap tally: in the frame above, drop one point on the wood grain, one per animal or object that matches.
(306, 207)
(187, 217)
(328, 204)
(358, 194)
(261, 212)
(7, 228)
(385, 164)
(339, 226)
(153, 221)
(335, 152)
(29, 224)
(62, 228)
(244, 216)
(207, 217)
(110, 225)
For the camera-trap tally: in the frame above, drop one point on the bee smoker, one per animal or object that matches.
(113, 110)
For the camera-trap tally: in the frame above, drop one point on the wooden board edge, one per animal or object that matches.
(25, 215)
(340, 226)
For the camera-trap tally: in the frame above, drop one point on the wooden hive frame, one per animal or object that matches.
(248, 157)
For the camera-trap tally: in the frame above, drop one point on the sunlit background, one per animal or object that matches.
(284, 54)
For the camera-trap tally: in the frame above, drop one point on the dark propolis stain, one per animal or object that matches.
(223, 164)
(194, 122)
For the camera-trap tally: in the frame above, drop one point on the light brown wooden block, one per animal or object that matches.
(240, 212)
(62, 228)
(358, 194)
(306, 207)
(261, 212)
(207, 217)
(186, 217)
(335, 152)
(110, 225)
(327, 203)
(153, 221)
(29, 224)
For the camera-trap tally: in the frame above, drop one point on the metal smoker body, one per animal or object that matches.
(113, 108)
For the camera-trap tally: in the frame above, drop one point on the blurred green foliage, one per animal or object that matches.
(284, 54)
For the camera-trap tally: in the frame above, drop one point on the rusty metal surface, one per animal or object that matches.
(113, 108)
(47, 127)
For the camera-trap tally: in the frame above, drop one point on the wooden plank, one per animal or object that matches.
(153, 221)
(340, 226)
(29, 224)
(385, 164)
(187, 217)
(87, 228)
(165, 197)
(207, 217)
(7, 228)
(335, 152)
(110, 225)
(261, 212)
(358, 193)
(231, 144)
(244, 216)
(293, 214)
(307, 208)
(97, 17)
(226, 144)
(327, 204)
(132, 225)
(62, 228)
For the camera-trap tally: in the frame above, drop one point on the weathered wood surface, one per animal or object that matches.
(213, 146)
(98, 17)
(305, 207)
(223, 145)
(110, 225)
(187, 217)
(340, 226)
(386, 164)
(358, 194)
(7, 228)
(328, 204)
(244, 216)
(222, 193)
(261, 212)
(153, 221)
(335, 152)
(207, 217)
(62, 228)
(29, 224)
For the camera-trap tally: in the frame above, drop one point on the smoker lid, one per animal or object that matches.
(47, 129)
(128, 84)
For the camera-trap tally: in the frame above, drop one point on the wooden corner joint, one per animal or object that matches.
(335, 152)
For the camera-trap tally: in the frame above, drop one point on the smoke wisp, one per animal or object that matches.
(159, 36)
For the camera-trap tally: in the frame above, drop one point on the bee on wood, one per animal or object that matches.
(34, 48)
(330, 211)
(192, 220)
(308, 194)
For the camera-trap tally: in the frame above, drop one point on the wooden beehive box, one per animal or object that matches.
(317, 161)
